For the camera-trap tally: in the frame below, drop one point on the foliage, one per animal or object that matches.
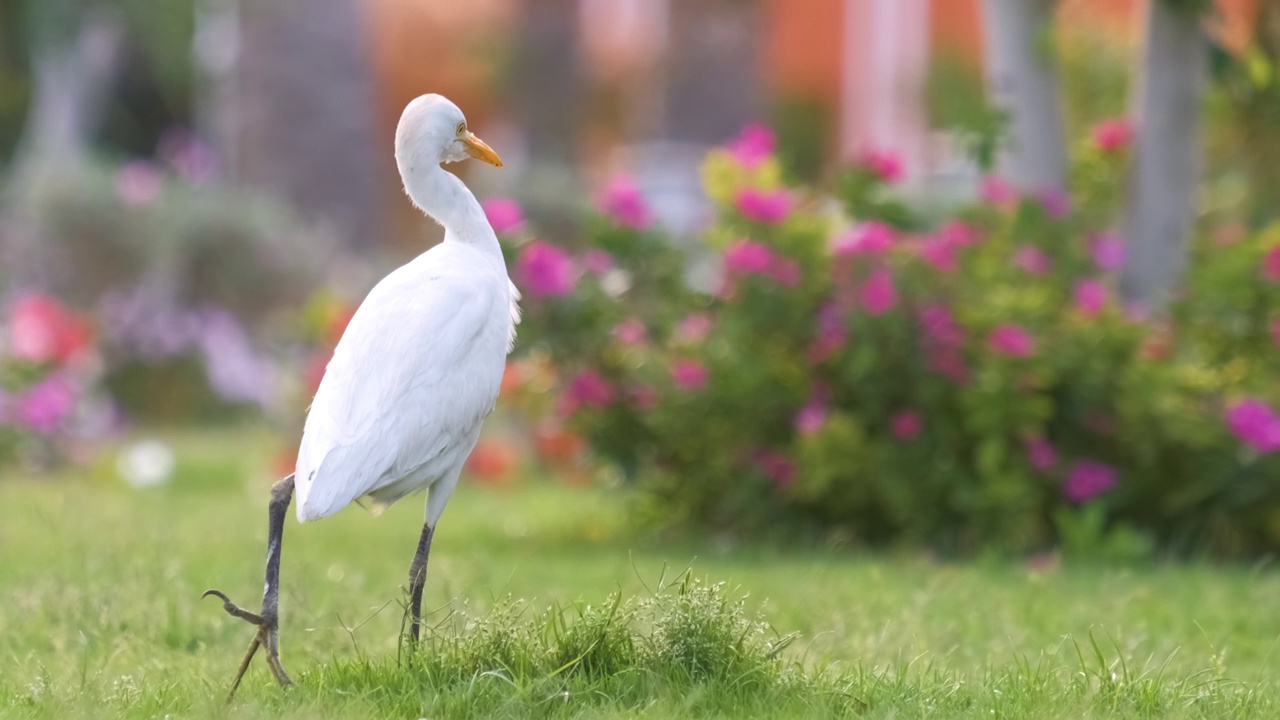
(971, 385)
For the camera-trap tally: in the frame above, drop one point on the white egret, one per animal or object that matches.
(401, 403)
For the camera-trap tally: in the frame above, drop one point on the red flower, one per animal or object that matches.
(1113, 135)
(41, 330)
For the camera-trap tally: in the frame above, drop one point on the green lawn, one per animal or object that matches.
(100, 612)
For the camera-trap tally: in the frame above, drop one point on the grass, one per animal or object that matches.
(543, 604)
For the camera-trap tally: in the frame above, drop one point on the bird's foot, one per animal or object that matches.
(267, 625)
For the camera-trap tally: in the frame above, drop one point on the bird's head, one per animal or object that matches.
(432, 130)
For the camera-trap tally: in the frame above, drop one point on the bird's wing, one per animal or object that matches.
(412, 374)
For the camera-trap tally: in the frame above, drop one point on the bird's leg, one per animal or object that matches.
(417, 580)
(268, 621)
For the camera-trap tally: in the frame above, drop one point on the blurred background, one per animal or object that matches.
(1010, 258)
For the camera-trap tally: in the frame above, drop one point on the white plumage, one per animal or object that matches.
(402, 401)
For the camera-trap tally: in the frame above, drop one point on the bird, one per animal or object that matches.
(415, 373)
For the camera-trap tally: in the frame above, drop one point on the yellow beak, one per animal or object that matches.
(477, 149)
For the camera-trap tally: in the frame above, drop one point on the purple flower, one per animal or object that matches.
(192, 158)
(1254, 422)
(1108, 251)
(766, 206)
(1010, 339)
(235, 371)
(622, 202)
(753, 145)
(1091, 297)
(878, 293)
(906, 425)
(1087, 480)
(940, 326)
(138, 183)
(1040, 453)
(504, 214)
(689, 374)
(45, 406)
(1033, 260)
(545, 270)
(868, 238)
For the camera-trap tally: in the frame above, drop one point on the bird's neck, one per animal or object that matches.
(443, 196)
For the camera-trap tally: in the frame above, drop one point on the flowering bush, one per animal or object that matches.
(964, 384)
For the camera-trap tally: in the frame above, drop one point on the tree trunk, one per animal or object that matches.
(1167, 154)
(1023, 82)
(307, 114)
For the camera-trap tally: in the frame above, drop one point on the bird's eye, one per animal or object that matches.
(462, 127)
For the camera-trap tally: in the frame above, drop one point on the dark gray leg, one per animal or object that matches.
(268, 621)
(418, 579)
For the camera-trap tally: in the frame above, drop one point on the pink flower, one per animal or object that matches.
(189, 155)
(545, 270)
(1255, 423)
(884, 164)
(1108, 251)
(950, 364)
(831, 334)
(878, 294)
(940, 253)
(693, 328)
(138, 183)
(811, 418)
(644, 397)
(940, 326)
(1087, 480)
(767, 206)
(1033, 260)
(1113, 135)
(1040, 453)
(745, 257)
(1271, 264)
(753, 145)
(906, 425)
(960, 234)
(995, 191)
(631, 332)
(597, 262)
(1010, 339)
(868, 238)
(41, 330)
(1056, 203)
(588, 388)
(689, 374)
(45, 406)
(776, 466)
(622, 202)
(504, 214)
(1091, 297)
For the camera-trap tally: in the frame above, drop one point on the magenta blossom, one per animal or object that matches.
(1271, 264)
(689, 374)
(622, 202)
(960, 234)
(503, 213)
(45, 406)
(940, 326)
(745, 257)
(693, 328)
(1033, 260)
(868, 238)
(1255, 423)
(589, 388)
(878, 294)
(1091, 297)
(831, 335)
(939, 253)
(631, 332)
(545, 270)
(753, 145)
(597, 261)
(1108, 251)
(1010, 339)
(1056, 203)
(995, 191)
(906, 425)
(766, 206)
(1113, 135)
(780, 470)
(884, 164)
(1087, 480)
(1040, 453)
(811, 418)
